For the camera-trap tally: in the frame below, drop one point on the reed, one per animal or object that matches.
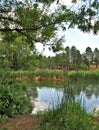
(92, 75)
(84, 75)
(47, 75)
(67, 116)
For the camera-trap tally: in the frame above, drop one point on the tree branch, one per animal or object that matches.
(25, 29)
(28, 36)
(16, 29)
(10, 19)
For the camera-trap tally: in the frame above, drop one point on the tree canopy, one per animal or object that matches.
(25, 23)
(38, 23)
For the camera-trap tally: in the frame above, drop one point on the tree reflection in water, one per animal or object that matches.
(68, 93)
(87, 93)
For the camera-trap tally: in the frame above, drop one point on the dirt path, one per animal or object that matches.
(23, 122)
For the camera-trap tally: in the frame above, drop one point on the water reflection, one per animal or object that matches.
(51, 96)
(86, 93)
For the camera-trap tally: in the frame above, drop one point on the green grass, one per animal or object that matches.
(68, 116)
(49, 74)
(84, 75)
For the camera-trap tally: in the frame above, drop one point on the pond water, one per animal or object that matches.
(87, 93)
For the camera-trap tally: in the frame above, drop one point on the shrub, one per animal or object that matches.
(13, 99)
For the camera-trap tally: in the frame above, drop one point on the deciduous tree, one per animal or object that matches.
(38, 23)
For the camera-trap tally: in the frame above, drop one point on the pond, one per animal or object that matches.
(87, 93)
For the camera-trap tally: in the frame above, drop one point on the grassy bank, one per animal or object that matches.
(50, 75)
(68, 116)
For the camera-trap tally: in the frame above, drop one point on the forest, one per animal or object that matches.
(19, 56)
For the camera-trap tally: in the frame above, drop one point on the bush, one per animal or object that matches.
(13, 99)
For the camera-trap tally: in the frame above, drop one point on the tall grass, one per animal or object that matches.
(55, 75)
(76, 75)
(67, 116)
(92, 75)
(84, 75)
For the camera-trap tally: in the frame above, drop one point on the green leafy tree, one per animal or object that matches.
(16, 52)
(78, 60)
(35, 22)
(39, 24)
(89, 56)
(96, 56)
(67, 51)
(52, 62)
(73, 55)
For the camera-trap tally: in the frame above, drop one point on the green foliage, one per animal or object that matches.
(84, 75)
(46, 2)
(49, 74)
(68, 116)
(16, 53)
(33, 22)
(92, 75)
(76, 75)
(39, 24)
(83, 66)
(3, 118)
(13, 99)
